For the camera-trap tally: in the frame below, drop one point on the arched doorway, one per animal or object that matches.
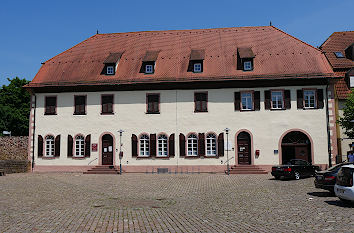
(107, 149)
(244, 148)
(295, 145)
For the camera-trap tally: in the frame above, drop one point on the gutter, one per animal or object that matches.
(34, 128)
(328, 128)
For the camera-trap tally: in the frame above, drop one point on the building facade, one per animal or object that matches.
(173, 94)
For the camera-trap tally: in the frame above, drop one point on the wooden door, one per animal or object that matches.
(107, 150)
(301, 152)
(243, 149)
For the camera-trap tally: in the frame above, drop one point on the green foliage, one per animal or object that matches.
(347, 121)
(14, 107)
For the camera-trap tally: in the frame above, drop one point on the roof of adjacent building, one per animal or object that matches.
(277, 55)
(338, 42)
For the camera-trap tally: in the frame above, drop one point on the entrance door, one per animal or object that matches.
(107, 150)
(301, 152)
(296, 145)
(243, 148)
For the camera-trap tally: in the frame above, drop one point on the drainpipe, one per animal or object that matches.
(328, 128)
(34, 128)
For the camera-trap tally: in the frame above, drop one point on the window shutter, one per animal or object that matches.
(320, 103)
(57, 146)
(300, 99)
(201, 144)
(257, 100)
(267, 99)
(182, 145)
(221, 144)
(70, 146)
(88, 145)
(152, 144)
(237, 101)
(134, 145)
(40, 146)
(287, 99)
(171, 145)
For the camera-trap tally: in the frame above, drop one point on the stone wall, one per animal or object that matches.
(13, 154)
(14, 166)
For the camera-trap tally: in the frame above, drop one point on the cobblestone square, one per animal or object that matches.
(167, 203)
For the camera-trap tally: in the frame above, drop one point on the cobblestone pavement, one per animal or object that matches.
(167, 203)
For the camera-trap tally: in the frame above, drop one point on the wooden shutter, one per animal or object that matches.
(70, 146)
(88, 145)
(287, 99)
(267, 104)
(257, 100)
(221, 144)
(134, 145)
(57, 146)
(182, 145)
(320, 102)
(201, 144)
(171, 145)
(300, 99)
(40, 146)
(152, 144)
(237, 101)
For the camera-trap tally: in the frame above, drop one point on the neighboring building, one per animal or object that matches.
(174, 93)
(339, 50)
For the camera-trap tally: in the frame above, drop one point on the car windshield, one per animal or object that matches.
(345, 176)
(335, 168)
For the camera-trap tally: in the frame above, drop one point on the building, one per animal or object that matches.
(174, 93)
(339, 50)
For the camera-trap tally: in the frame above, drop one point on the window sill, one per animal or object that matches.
(162, 156)
(107, 113)
(246, 110)
(79, 158)
(195, 111)
(152, 112)
(79, 114)
(49, 158)
(192, 156)
(48, 114)
(309, 108)
(143, 157)
(278, 109)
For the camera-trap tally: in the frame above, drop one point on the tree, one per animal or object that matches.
(14, 107)
(347, 121)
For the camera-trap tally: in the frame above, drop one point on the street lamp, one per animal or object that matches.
(120, 151)
(227, 151)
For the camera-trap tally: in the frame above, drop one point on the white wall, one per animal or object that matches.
(177, 116)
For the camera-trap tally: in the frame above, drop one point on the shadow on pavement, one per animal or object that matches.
(340, 204)
(321, 194)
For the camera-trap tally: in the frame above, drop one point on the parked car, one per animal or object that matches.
(344, 188)
(327, 179)
(295, 168)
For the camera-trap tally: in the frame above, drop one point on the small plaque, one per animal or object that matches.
(276, 152)
(94, 147)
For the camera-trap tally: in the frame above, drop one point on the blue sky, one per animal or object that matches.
(34, 31)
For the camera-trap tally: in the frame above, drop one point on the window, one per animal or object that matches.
(110, 70)
(197, 68)
(50, 105)
(162, 145)
(200, 102)
(277, 100)
(107, 104)
(211, 145)
(80, 105)
(144, 145)
(192, 145)
(309, 98)
(247, 65)
(149, 69)
(247, 101)
(79, 146)
(49, 146)
(339, 54)
(153, 102)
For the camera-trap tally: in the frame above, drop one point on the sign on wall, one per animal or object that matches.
(94, 147)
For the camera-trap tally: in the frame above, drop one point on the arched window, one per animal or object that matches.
(192, 145)
(49, 146)
(211, 145)
(162, 145)
(144, 145)
(79, 146)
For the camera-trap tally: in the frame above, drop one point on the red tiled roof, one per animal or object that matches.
(277, 55)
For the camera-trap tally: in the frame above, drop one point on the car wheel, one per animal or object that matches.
(297, 175)
(277, 177)
(345, 201)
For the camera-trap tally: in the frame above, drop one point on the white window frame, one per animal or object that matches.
(307, 98)
(197, 67)
(49, 146)
(79, 146)
(149, 69)
(110, 69)
(247, 96)
(162, 146)
(278, 98)
(144, 141)
(247, 65)
(211, 144)
(192, 145)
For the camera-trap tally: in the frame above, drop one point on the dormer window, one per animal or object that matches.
(110, 69)
(196, 61)
(111, 63)
(339, 54)
(245, 57)
(149, 61)
(149, 69)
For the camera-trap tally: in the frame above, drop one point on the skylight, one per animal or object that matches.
(339, 54)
